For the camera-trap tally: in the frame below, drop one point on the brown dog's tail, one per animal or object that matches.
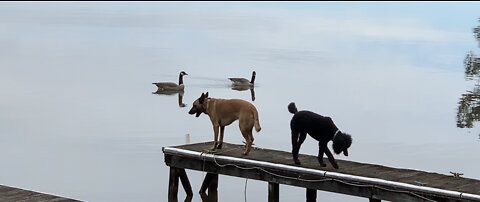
(256, 122)
(292, 108)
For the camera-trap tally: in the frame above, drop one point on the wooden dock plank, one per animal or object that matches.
(346, 167)
(408, 176)
(469, 187)
(11, 194)
(34, 197)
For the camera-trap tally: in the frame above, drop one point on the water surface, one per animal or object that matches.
(78, 117)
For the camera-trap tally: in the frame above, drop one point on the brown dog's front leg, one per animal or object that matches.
(215, 137)
(330, 157)
(220, 142)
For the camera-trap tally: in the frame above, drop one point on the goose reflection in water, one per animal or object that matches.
(244, 88)
(171, 93)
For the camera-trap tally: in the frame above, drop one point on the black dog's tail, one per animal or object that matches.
(292, 108)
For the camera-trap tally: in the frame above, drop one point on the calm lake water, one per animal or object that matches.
(78, 117)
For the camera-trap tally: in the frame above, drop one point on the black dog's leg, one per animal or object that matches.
(301, 139)
(330, 158)
(295, 148)
(297, 141)
(321, 151)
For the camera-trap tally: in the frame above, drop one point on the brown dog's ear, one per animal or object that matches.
(206, 95)
(202, 98)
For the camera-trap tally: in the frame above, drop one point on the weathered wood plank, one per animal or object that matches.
(12, 194)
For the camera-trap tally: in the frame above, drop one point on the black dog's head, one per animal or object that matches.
(199, 105)
(342, 142)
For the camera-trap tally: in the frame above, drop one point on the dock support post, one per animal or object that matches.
(374, 200)
(175, 174)
(211, 197)
(185, 182)
(173, 185)
(311, 195)
(210, 182)
(273, 192)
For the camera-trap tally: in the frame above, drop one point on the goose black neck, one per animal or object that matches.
(253, 79)
(180, 79)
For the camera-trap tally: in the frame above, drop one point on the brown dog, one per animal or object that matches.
(223, 112)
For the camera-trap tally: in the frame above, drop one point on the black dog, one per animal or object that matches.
(320, 128)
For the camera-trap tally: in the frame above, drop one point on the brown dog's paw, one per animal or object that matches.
(219, 146)
(335, 165)
(212, 149)
(297, 161)
(245, 143)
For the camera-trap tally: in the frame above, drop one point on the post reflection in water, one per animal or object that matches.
(469, 105)
(187, 199)
(170, 93)
(212, 196)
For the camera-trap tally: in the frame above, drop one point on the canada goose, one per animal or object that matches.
(243, 81)
(170, 86)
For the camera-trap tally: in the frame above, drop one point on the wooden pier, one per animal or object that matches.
(374, 182)
(11, 194)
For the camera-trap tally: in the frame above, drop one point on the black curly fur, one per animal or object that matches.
(292, 108)
(320, 128)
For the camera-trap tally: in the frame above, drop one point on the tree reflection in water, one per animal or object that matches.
(469, 104)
